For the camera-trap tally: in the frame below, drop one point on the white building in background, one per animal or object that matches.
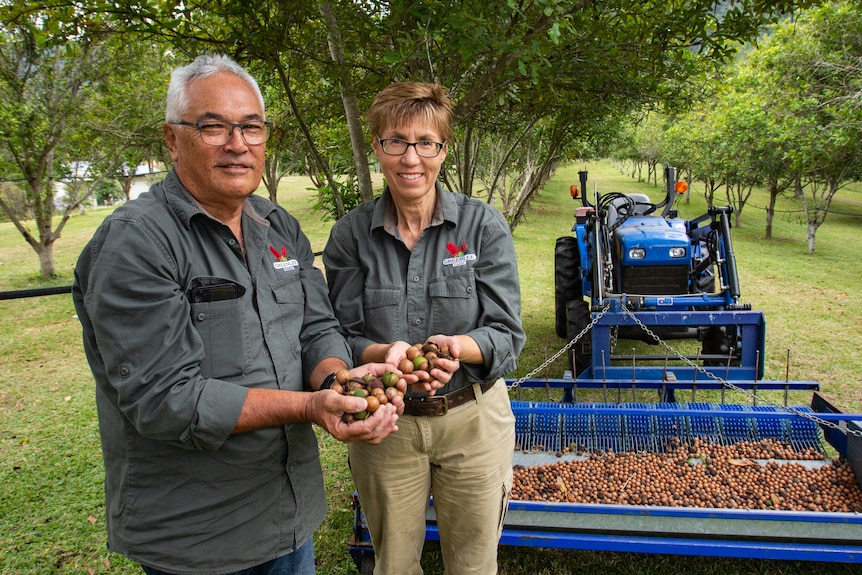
(143, 179)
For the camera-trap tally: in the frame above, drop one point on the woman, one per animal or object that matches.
(422, 264)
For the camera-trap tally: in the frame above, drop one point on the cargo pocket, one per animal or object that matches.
(504, 504)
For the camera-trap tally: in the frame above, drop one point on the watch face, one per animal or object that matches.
(327, 383)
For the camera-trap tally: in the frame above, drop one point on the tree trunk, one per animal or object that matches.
(534, 182)
(322, 165)
(467, 159)
(770, 209)
(270, 177)
(811, 236)
(126, 182)
(348, 99)
(46, 259)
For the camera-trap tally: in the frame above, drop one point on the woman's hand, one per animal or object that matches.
(444, 367)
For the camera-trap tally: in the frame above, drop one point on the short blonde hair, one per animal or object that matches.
(403, 102)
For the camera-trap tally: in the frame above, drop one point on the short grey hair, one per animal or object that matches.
(203, 66)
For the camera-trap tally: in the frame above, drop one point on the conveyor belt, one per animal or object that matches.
(620, 427)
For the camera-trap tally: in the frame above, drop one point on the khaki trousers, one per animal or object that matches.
(464, 458)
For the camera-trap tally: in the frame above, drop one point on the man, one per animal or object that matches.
(205, 325)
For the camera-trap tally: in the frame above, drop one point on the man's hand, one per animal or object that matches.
(326, 408)
(377, 370)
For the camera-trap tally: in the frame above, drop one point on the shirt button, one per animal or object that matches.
(417, 321)
(415, 278)
(232, 242)
(202, 316)
(469, 290)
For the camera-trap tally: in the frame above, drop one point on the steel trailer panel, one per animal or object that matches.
(676, 546)
(811, 536)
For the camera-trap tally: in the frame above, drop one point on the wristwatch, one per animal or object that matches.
(328, 381)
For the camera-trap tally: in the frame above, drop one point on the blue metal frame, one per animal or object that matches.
(639, 529)
(751, 324)
(677, 546)
(703, 383)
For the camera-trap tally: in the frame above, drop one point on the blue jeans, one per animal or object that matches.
(299, 562)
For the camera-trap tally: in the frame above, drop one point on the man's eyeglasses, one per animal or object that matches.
(220, 133)
(398, 147)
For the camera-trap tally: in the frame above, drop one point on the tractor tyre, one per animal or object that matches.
(366, 564)
(567, 280)
(581, 354)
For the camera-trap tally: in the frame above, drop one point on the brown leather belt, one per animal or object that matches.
(441, 404)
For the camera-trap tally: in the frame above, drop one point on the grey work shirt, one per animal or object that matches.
(460, 278)
(172, 371)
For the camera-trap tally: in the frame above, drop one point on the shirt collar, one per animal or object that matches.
(445, 210)
(185, 206)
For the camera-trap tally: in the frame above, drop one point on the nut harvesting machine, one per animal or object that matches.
(635, 272)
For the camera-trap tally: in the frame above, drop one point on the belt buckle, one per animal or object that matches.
(438, 399)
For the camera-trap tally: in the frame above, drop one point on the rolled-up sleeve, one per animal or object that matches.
(499, 333)
(150, 351)
(321, 337)
(346, 279)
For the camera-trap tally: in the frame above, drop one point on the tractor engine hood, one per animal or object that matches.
(652, 241)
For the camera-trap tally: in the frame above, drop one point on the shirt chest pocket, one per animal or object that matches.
(454, 304)
(224, 334)
(382, 309)
(290, 298)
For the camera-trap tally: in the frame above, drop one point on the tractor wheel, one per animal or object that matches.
(581, 354)
(567, 280)
(366, 566)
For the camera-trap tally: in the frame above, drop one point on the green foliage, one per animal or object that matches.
(575, 68)
(108, 191)
(324, 202)
(73, 92)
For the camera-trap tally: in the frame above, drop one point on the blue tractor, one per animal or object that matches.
(653, 277)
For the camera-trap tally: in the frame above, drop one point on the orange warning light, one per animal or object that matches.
(681, 187)
(574, 191)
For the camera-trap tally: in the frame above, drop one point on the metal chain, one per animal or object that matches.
(564, 349)
(679, 356)
(730, 385)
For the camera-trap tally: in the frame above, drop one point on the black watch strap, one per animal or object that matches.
(328, 381)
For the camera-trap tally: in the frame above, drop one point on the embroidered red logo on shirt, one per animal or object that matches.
(279, 257)
(281, 260)
(459, 255)
(455, 251)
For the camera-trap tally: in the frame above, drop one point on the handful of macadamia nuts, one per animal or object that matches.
(377, 391)
(423, 357)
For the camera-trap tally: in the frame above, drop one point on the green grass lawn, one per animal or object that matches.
(51, 501)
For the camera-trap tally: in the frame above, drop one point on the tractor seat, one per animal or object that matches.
(642, 204)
